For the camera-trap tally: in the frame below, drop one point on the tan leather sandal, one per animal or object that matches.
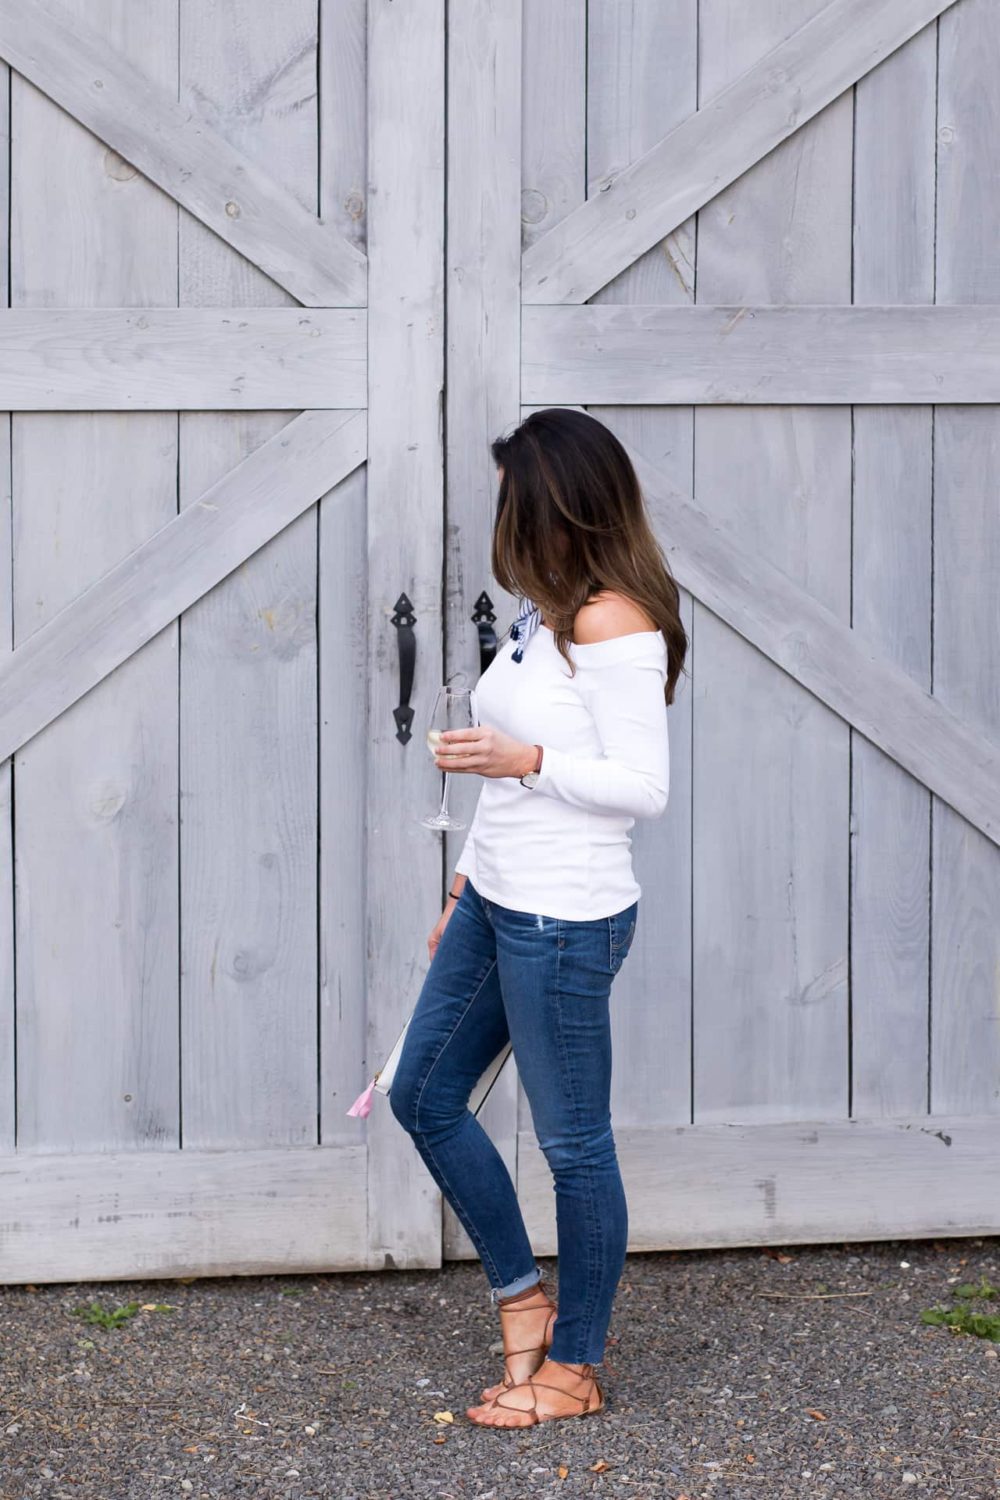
(490, 1391)
(531, 1412)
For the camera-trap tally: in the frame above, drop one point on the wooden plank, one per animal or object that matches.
(7, 999)
(135, 1215)
(96, 793)
(891, 588)
(177, 146)
(821, 653)
(770, 829)
(803, 1182)
(482, 389)
(181, 359)
(342, 568)
(741, 123)
(760, 355)
(553, 180)
(248, 658)
(965, 932)
(138, 597)
(405, 519)
(630, 105)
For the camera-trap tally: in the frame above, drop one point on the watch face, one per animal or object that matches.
(529, 778)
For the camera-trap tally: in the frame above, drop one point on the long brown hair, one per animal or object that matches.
(571, 520)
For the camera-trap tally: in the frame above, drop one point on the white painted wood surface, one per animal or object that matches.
(65, 51)
(131, 1215)
(181, 359)
(630, 106)
(405, 527)
(222, 895)
(743, 354)
(771, 762)
(343, 686)
(485, 44)
(110, 619)
(95, 793)
(891, 586)
(8, 1120)
(965, 931)
(248, 659)
(820, 52)
(803, 1182)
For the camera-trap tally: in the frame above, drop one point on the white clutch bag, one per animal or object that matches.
(382, 1082)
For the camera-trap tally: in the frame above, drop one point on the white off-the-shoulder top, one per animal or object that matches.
(562, 848)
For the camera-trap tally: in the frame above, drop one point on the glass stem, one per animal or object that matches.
(444, 795)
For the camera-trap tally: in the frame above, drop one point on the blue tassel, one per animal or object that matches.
(524, 628)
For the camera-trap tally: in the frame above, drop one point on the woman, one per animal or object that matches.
(542, 912)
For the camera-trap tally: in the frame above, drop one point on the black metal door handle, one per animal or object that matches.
(483, 617)
(404, 620)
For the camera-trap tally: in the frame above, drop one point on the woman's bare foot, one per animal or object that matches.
(526, 1325)
(555, 1390)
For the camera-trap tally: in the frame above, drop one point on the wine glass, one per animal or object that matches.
(454, 708)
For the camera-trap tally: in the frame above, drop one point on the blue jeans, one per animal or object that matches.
(544, 983)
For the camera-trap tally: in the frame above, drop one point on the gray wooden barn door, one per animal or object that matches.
(223, 361)
(246, 447)
(737, 235)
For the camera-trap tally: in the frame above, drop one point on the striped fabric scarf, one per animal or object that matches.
(524, 627)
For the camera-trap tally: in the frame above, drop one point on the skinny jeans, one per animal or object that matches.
(544, 983)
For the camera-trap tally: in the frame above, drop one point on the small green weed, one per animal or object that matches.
(113, 1319)
(962, 1319)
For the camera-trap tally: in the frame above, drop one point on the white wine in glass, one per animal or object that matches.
(454, 708)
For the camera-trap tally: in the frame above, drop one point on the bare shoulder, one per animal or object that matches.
(607, 615)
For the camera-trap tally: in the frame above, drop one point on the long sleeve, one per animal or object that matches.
(466, 863)
(623, 690)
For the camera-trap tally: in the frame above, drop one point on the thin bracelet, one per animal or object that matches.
(453, 897)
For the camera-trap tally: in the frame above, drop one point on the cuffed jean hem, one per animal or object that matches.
(520, 1285)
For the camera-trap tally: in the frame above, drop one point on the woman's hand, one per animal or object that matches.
(438, 933)
(485, 750)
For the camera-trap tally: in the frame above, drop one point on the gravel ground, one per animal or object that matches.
(747, 1374)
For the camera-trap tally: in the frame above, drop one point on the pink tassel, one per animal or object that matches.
(363, 1103)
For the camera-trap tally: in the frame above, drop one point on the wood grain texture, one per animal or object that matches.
(131, 1215)
(181, 359)
(405, 521)
(95, 794)
(891, 593)
(137, 598)
(771, 790)
(248, 653)
(7, 995)
(642, 81)
(965, 932)
(342, 582)
(801, 1182)
(180, 147)
(760, 355)
(485, 53)
(759, 106)
(821, 654)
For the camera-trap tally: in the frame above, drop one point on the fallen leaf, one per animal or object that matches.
(562, 1471)
(444, 1416)
(820, 1416)
(600, 1467)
